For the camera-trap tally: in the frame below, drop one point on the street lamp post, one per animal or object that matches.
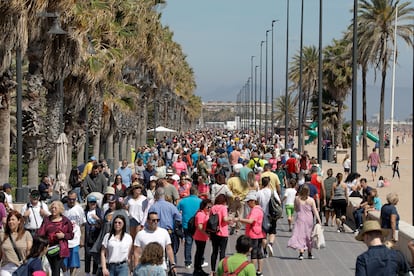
(272, 97)
(266, 96)
(300, 82)
(320, 88)
(251, 88)
(260, 89)
(287, 76)
(255, 99)
(354, 88)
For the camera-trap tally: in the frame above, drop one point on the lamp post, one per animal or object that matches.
(287, 76)
(354, 88)
(251, 86)
(300, 82)
(260, 89)
(255, 99)
(272, 97)
(266, 100)
(320, 88)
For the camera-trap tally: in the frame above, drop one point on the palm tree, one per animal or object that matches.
(377, 19)
(337, 72)
(290, 108)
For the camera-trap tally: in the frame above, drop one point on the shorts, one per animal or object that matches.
(374, 169)
(290, 209)
(73, 260)
(257, 250)
(347, 170)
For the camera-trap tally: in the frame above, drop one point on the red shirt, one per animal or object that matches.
(291, 165)
(314, 181)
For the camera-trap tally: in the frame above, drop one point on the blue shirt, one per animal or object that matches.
(167, 213)
(380, 261)
(386, 211)
(126, 174)
(188, 207)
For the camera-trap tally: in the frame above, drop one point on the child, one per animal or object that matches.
(395, 167)
(73, 261)
(380, 182)
(151, 261)
(289, 197)
(37, 253)
(373, 203)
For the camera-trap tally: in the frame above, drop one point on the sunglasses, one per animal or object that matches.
(71, 199)
(154, 220)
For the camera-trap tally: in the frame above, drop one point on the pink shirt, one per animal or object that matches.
(179, 167)
(203, 188)
(221, 210)
(254, 230)
(201, 217)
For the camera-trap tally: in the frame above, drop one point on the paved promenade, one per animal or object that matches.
(338, 258)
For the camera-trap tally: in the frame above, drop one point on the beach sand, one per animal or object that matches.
(402, 187)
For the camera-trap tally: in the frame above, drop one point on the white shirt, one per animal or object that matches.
(290, 194)
(9, 199)
(76, 213)
(76, 237)
(118, 251)
(263, 197)
(136, 208)
(35, 220)
(160, 235)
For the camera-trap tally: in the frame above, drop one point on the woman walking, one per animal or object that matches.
(305, 208)
(201, 236)
(58, 230)
(116, 249)
(339, 201)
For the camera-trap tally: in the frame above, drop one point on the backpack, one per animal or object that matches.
(213, 224)
(226, 271)
(275, 210)
(191, 225)
(23, 269)
(256, 165)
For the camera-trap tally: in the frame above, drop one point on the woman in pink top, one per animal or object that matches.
(200, 236)
(203, 188)
(254, 230)
(219, 239)
(179, 165)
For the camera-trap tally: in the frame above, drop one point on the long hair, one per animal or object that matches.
(39, 244)
(20, 227)
(304, 192)
(121, 217)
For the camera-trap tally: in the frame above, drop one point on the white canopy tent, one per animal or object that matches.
(161, 129)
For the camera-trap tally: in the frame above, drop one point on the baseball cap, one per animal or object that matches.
(6, 185)
(112, 198)
(250, 197)
(93, 158)
(153, 178)
(35, 194)
(175, 177)
(91, 198)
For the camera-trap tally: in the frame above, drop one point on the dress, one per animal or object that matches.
(302, 232)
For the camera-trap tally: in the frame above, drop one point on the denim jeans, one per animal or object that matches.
(118, 269)
(188, 239)
(77, 190)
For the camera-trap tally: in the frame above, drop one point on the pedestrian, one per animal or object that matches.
(201, 237)
(339, 201)
(378, 260)
(305, 208)
(33, 212)
(389, 216)
(116, 249)
(151, 261)
(396, 167)
(374, 162)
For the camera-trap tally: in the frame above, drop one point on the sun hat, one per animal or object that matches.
(175, 177)
(110, 190)
(250, 197)
(370, 226)
(153, 178)
(237, 167)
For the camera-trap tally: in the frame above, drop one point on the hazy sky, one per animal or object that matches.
(220, 36)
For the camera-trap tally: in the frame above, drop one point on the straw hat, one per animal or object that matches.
(110, 190)
(370, 226)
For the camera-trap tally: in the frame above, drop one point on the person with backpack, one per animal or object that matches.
(254, 230)
(220, 234)
(33, 212)
(188, 207)
(200, 236)
(238, 264)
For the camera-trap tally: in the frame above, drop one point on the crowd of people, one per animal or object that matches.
(134, 220)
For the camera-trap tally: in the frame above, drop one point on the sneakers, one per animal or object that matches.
(300, 256)
(269, 249)
(259, 273)
(189, 266)
(310, 257)
(205, 264)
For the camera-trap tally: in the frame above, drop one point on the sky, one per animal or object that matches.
(220, 36)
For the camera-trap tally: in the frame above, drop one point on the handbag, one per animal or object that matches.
(53, 250)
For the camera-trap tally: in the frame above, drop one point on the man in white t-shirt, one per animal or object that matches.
(33, 212)
(153, 233)
(74, 212)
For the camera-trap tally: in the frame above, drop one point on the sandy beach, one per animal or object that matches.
(402, 187)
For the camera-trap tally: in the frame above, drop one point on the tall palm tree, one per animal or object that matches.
(337, 72)
(291, 109)
(377, 18)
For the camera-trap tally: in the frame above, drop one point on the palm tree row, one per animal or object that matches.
(116, 60)
(376, 23)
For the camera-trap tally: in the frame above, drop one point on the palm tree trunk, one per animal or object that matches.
(33, 169)
(381, 122)
(80, 155)
(364, 114)
(116, 151)
(110, 150)
(339, 128)
(124, 146)
(4, 137)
